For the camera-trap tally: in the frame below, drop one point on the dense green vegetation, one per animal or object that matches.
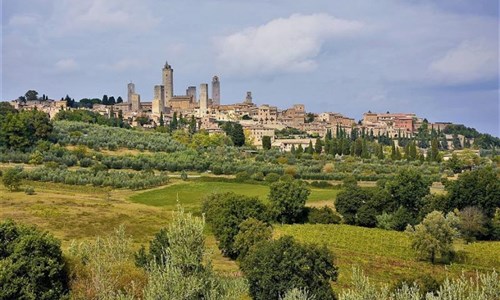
(91, 117)
(31, 264)
(244, 197)
(22, 130)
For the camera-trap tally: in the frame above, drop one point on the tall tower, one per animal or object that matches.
(191, 91)
(158, 105)
(203, 98)
(215, 91)
(130, 91)
(168, 83)
(248, 99)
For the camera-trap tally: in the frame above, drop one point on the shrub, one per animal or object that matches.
(258, 176)
(186, 274)
(321, 184)
(328, 168)
(85, 162)
(290, 170)
(12, 178)
(272, 177)
(278, 266)
(242, 176)
(29, 190)
(103, 268)
(286, 177)
(32, 265)
(385, 221)
(324, 215)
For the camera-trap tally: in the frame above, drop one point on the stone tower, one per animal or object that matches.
(158, 105)
(215, 91)
(248, 99)
(130, 92)
(191, 91)
(168, 84)
(136, 102)
(203, 98)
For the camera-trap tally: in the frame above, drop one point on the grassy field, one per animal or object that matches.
(386, 256)
(83, 212)
(80, 213)
(190, 194)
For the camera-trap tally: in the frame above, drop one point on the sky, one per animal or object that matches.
(438, 59)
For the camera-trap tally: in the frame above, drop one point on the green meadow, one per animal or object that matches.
(191, 193)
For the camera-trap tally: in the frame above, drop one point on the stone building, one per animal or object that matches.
(266, 114)
(293, 116)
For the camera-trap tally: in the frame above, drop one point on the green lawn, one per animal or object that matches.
(190, 194)
(386, 256)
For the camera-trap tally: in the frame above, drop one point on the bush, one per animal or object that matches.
(259, 176)
(12, 178)
(324, 215)
(286, 177)
(321, 184)
(272, 177)
(278, 266)
(85, 162)
(29, 190)
(32, 265)
(385, 221)
(242, 176)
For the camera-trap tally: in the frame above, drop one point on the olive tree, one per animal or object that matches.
(433, 237)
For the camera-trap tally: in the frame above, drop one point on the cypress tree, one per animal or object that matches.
(318, 146)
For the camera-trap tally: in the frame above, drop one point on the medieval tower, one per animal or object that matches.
(203, 98)
(191, 92)
(168, 84)
(158, 105)
(215, 91)
(130, 92)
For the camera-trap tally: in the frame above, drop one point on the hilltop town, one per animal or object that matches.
(258, 121)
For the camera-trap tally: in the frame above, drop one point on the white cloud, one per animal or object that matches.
(470, 61)
(66, 65)
(282, 45)
(72, 16)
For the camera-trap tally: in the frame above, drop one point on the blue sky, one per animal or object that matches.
(439, 59)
